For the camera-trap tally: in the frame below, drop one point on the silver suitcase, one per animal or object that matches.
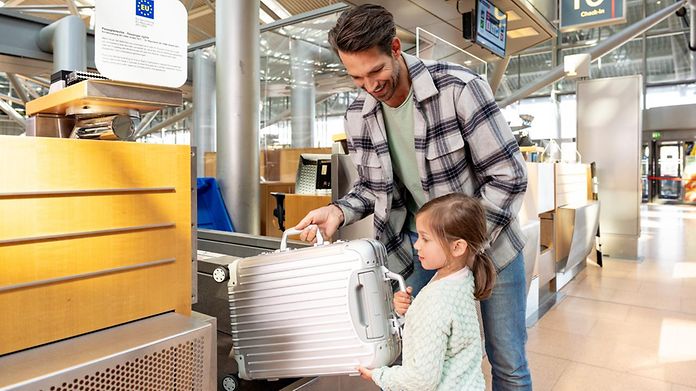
(323, 310)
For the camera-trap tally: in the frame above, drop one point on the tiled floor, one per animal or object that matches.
(629, 325)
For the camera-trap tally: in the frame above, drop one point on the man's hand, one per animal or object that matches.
(365, 373)
(327, 218)
(402, 300)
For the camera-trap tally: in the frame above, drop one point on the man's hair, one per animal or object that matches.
(458, 216)
(362, 28)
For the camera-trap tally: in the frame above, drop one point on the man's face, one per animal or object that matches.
(374, 71)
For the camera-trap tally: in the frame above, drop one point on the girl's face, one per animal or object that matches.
(430, 251)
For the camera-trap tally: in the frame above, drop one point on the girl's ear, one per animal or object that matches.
(458, 247)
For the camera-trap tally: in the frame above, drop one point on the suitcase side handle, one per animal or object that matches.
(293, 231)
(395, 276)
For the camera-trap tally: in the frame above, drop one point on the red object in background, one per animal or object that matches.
(613, 6)
(689, 183)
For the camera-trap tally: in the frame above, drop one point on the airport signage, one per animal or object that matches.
(583, 14)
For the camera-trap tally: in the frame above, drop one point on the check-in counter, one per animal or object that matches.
(575, 237)
(539, 198)
(558, 198)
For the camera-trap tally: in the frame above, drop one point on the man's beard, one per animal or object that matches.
(394, 82)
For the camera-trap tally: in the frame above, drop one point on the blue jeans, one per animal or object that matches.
(420, 277)
(504, 324)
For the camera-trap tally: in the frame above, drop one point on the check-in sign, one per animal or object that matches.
(582, 14)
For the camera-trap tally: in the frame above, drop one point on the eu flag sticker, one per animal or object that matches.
(145, 8)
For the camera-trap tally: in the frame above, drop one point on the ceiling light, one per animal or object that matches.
(522, 33)
(512, 16)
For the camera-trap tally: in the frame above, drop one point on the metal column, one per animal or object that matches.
(302, 103)
(67, 40)
(238, 94)
(203, 106)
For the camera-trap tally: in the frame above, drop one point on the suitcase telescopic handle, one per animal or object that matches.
(292, 231)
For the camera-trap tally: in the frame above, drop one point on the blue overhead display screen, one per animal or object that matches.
(491, 27)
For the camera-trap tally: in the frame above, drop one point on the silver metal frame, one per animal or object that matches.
(147, 354)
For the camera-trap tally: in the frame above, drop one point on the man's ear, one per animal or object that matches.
(458, 247)
(396, 47)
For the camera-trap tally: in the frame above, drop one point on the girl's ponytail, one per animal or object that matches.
(484, 275)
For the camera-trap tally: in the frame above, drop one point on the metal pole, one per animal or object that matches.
(597, 52)
(11, 99)
(644, 58)
(145, 121)
(36, 80)
(203, 136)
(238, 95)
(168, 122)
(72, 7)
(498, 73)
(12, 113)
(18, 86)
(302, 94)
(66, 38)
(674, 24)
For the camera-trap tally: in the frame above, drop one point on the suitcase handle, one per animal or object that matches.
(293, 231)
(395, 276)
(399, 320)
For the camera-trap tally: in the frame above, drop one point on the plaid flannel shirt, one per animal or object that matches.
(463, 144)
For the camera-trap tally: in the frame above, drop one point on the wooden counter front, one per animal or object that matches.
(92, 234)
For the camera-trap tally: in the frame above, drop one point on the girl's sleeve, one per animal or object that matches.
(428, 334)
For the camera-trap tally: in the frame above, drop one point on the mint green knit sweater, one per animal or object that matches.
(441, 340)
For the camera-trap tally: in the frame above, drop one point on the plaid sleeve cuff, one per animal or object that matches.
(350, 215)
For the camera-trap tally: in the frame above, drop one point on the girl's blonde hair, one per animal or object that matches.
(457, 216)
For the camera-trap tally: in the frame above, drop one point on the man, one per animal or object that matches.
(419, 130)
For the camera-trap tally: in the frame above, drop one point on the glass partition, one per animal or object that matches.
(523, 70)
(302, 79)
(431, 47)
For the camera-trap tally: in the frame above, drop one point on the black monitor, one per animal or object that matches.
(486, 26)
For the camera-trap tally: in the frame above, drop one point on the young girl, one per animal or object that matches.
(441, 338)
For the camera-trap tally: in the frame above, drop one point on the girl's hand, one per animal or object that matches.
(365, 373)
(402, 300)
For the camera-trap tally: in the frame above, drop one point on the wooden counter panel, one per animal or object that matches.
(29, 164)
(52, 312)
(92, 234)
(60, 258)
(57, 215)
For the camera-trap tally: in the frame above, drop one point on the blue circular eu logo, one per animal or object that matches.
(145, 8)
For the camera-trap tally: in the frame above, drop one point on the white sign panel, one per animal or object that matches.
(142, 41)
